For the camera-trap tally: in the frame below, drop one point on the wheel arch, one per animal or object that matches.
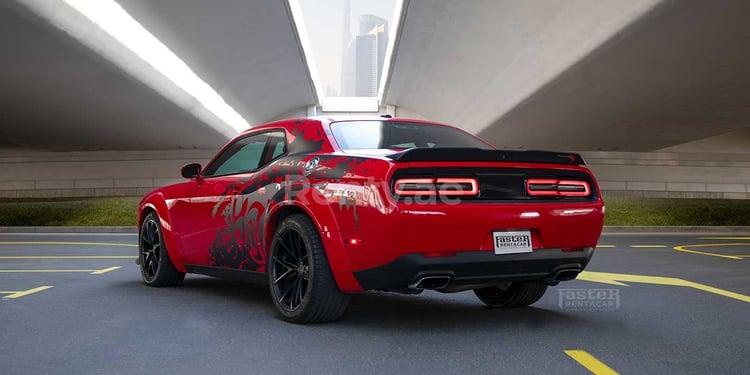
(325, 221)
(157, 204)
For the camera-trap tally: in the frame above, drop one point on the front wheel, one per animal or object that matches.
(302, 285)
(514, 294)
(156, 267)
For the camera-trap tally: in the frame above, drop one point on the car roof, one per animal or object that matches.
(325, 120)
(330, 119)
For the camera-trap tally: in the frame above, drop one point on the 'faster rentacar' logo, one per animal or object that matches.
(513, 241)
(589, 299)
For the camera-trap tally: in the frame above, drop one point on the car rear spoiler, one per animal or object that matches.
(475, 154)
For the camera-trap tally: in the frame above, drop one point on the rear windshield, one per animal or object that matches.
(358, 135)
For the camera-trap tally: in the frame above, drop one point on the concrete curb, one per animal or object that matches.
(607, 229)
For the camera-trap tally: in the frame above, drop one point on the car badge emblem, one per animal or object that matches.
(311, 165)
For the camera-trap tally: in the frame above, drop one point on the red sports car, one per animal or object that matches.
(320, 208)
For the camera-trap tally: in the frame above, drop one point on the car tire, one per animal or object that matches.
(157, 268)
(300, 279)
(517, 294)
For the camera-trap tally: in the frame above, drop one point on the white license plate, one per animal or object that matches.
(512, 242)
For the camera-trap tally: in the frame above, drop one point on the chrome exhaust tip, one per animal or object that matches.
(431, 282)
(566, 274)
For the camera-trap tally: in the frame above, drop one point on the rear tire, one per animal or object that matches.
(157, 268)
(301, 282)
(517, 294)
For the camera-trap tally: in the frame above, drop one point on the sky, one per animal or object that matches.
(324, 21)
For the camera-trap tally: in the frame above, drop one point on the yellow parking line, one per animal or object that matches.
(68, 256)
(26, 292)
(43, 271)
(70, 243)
(599, 246)
(99, 272)
(590, 362)
(684, 248)
(614, 278)
(647, 246)
(598, 277)
(718, 291)
(93, 272)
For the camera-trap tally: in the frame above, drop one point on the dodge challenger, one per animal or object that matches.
(321, 208)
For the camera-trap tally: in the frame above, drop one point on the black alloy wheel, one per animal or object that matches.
(301, 282)
(157, 268)
(291, 270)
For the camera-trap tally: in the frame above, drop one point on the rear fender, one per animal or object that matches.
(157, 203)
(314, 204)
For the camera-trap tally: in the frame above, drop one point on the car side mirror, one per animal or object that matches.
(191, 170)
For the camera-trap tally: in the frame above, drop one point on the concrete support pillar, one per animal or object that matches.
(312, 110)
(390, 110)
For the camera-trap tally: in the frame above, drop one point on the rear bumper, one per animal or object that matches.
(474, 268)
(384, 238)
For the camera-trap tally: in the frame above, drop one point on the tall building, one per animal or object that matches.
(347, 54)
(366, 76)
(367, 22)
(371, 44)
(348, 66)
(363, 55)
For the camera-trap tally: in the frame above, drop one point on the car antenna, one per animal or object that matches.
(386, 116)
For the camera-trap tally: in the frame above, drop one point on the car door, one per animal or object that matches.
(213, 220)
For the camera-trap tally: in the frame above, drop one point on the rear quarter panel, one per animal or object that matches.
(156, 201)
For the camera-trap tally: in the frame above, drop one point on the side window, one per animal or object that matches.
(248, 154)
(280, 149)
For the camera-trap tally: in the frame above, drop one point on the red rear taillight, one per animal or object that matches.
(436, 186)
(457, 186)
(557, 188)
(415, 186)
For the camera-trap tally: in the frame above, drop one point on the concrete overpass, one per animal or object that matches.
(655, 93)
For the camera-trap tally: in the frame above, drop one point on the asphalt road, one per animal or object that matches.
(98, 318)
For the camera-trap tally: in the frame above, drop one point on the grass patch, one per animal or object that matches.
(620, 211)
(69, 212)
(678, 212)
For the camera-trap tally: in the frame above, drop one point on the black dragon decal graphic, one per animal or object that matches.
(241, 243)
